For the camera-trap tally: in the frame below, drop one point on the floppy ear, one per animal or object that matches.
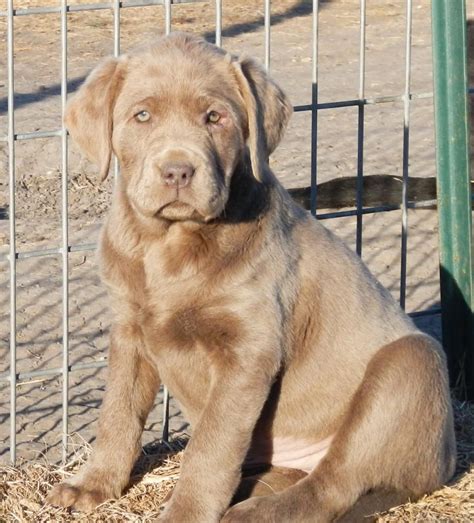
(268, 112)
(88, 115)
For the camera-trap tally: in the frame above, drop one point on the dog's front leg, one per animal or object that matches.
(131, 389)
(211, 468)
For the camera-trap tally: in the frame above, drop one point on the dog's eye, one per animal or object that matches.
(142, 116)
(213, 117)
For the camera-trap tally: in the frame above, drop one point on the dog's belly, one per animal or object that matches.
(290, 453)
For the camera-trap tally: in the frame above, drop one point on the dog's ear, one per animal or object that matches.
(88, 115)
(268, 112)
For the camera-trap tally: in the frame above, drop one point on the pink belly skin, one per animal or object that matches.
(295, 454)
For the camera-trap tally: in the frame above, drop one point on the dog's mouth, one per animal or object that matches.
(180, 206)
(178, 210)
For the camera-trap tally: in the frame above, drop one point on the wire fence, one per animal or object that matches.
(406, 97)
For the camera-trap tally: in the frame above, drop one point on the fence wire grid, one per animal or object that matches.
(64, 250)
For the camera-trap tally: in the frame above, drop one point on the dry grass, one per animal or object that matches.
(455, 502)
(22, 489)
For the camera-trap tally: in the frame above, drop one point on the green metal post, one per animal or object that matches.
(454, 192)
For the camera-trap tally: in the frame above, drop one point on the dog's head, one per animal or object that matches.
(179, 115)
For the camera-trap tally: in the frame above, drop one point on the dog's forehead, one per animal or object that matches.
(173, 62)
(177, 74)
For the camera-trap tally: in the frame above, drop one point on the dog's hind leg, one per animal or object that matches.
(269, 481)
(397, 434)
(369, 505)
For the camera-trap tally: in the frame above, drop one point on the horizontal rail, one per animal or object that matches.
(323, 216)
(57, 371)
(297, 108)
(358, 102)
(374, 210)
(50, 252)
(427, 312)
(93, 7)
(33, 135)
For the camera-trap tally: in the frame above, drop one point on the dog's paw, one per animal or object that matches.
(251, 510)
(186, 510)
(81, 495)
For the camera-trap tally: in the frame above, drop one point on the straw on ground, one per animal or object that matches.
(23, 488)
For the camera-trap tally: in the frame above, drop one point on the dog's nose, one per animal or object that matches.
(179, 174)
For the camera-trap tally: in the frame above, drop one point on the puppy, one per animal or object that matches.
(279, 345)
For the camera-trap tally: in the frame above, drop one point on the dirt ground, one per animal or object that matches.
(38, 171)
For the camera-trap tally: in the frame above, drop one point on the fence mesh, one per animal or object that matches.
(360, 79)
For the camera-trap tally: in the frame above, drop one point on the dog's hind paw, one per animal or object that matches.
(248, 511)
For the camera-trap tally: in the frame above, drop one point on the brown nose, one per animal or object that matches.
(179, 174)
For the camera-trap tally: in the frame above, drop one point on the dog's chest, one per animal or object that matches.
(185, 310)
(190, 328)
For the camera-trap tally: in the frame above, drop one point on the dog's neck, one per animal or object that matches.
(248, 198)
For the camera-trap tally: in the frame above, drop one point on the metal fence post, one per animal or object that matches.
(65, 232)
(454, 194)
(12, 212)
